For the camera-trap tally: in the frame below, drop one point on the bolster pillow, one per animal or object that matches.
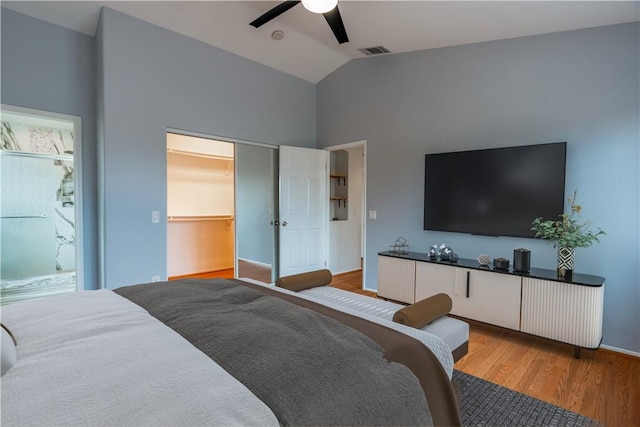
(302, 281)
(424, 312)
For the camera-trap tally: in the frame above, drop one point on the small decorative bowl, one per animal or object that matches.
(501, 263)
(484, 259)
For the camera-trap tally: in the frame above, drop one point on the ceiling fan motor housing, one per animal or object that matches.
(319, 6)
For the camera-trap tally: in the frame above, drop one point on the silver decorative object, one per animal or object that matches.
(484, 259)
(433, 251)
(400, 247)
(445, 252)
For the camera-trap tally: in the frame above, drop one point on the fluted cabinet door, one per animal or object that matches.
(397, 279)
(563, 311)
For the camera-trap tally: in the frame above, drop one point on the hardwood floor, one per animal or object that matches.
(351, 281)
(602, 384)
(222, 274)
(245, 269)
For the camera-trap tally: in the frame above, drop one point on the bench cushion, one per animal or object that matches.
(454, 332)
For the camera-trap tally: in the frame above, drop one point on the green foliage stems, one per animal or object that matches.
(567, 231)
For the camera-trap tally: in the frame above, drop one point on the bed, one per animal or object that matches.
(216, 352)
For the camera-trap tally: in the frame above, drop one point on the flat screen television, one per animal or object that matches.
(494, 192)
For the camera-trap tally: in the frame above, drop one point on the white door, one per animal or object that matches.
(303, 210)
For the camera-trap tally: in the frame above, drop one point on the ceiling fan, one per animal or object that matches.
(328, 8)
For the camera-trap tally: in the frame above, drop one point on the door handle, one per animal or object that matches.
(468, 280)
(284, 223)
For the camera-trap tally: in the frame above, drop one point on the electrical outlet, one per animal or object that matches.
(373, 214)
(155, 278)
(155, 216)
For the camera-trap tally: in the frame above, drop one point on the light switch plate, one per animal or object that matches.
(373, 214)
(155, 216)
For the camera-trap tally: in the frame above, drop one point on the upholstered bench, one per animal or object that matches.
(454, 332)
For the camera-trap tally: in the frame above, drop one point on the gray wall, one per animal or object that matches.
(153, 79)
(46, 67)
(580, 86)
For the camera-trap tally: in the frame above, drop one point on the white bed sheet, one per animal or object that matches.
(94, 358)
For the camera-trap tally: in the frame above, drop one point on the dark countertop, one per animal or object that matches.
(536, 273)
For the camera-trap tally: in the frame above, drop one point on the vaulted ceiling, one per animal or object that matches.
(309, 49)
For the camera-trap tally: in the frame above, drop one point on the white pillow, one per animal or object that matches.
(8, 350)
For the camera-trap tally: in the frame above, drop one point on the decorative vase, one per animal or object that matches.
(521, 260)
(566, 258)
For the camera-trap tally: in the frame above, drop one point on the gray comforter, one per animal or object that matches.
(309, 369)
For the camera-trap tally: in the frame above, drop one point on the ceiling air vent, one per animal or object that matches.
(376, 50)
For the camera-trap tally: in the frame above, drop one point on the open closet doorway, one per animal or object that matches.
(200, 207)
(347, 178)
(222, 208)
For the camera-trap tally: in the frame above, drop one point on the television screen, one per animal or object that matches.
(494, 192)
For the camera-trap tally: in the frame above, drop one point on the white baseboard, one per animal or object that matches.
(620, 350)
(255, 262)
(346, 271)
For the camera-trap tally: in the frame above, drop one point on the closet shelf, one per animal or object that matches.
(195, 154)
(339, 177)
(178, 218)
(340, 200)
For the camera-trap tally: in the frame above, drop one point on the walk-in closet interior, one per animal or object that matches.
(221, 208)
(200, 206)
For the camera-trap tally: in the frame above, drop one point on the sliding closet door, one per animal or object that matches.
(256, 212)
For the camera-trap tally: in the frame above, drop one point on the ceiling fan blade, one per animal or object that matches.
(335, 22)
(273, 13)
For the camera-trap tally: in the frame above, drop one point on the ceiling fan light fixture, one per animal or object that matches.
(319, 6)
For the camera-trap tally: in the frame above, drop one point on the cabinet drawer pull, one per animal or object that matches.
(468, 280)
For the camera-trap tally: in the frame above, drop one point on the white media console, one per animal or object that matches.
(537, 302)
